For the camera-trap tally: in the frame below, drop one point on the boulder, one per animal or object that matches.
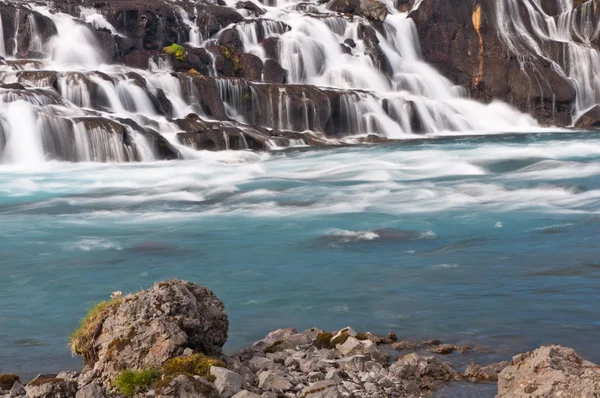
(279, 334)
(231, 38)
(246, 394)
(549, 372)
(18, 390)
(146, 329)
(428, 371)
(49, 386)
(590, 119)
(250, 7)
(226, 382)
(211, 18)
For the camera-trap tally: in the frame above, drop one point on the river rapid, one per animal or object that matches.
(490, 241)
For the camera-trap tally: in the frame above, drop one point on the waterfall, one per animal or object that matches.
(533, 33)
(2, 45)
(345, 79)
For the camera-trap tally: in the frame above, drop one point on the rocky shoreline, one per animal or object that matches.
(167, 342)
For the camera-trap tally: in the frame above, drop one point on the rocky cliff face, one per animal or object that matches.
(524, 53)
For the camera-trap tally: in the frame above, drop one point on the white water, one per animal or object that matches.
(577, 59)
(402, 100)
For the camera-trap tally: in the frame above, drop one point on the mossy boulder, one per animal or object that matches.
(149, 328)
(193, 365)
(129, 382)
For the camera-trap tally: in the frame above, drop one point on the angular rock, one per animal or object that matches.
(549, 372)
(274, 382)
(279, 334)
(48, 386)
(186, 386)
(246, 394)
(429, 370)
(17, 390)
(226, 382)
(373, 9)
(321, 389)
(477, 372)
(90, 391)
(274, 73)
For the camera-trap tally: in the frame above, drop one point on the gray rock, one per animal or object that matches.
(273, 381)
(186, 386)
(17, 390)
(258, 364)
(333, 375)
(430, 370)
(226, 382)
(90, 391)
(157, 324)
(321, 389)
(352, 347)
(315, 376)
(476, 372)
(354, 364)
(279, 334)
(50, 387)
(549, 372)
(246, 394)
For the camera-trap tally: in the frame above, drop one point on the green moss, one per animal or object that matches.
(323, 340)
(193, 365)
(273, 348)
(177, 51)
(81, 340)
(44, 380)
(362, 336)
(128, 382)
(341, 339)
(7, 381)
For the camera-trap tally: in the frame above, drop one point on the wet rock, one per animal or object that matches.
(231, 38)
(590, 119)
(211, 18)
(369, 36)
(404, 345)
(549, 372)
(344, 6)
(250, 67)
(476, 372)
(274, 73)
(251, 7)
(152, 326)
(226, 382)
(272, 47)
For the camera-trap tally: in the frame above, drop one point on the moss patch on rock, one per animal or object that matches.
(44, 380)
(274, 347)
(341, 339)
(193, 365)
(323, 340)
(7, 381)
(361, 337)
(128, 382)
(81, 340)
(177, 51)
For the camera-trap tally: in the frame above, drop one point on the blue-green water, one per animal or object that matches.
(491, 241)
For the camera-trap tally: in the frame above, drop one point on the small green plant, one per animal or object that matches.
(177, 51)
(193, 365)
(362, 336)
(128, 382)
(273, 348)
(323, 340)
(340, 339)
(81, 340)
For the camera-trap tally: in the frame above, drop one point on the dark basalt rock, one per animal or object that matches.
(211, 19)
(231, 38)
(19, 19)
(272, 47)
(250, 67)
(274, 73)
(250, 6)
(368, 34)
(478, 60)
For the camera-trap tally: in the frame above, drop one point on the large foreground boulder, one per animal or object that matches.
(144, 330)
(549, 372)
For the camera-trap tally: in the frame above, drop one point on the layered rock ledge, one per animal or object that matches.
(167, 342)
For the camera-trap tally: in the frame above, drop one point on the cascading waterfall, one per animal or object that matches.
(534, 33)
(344, 78)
